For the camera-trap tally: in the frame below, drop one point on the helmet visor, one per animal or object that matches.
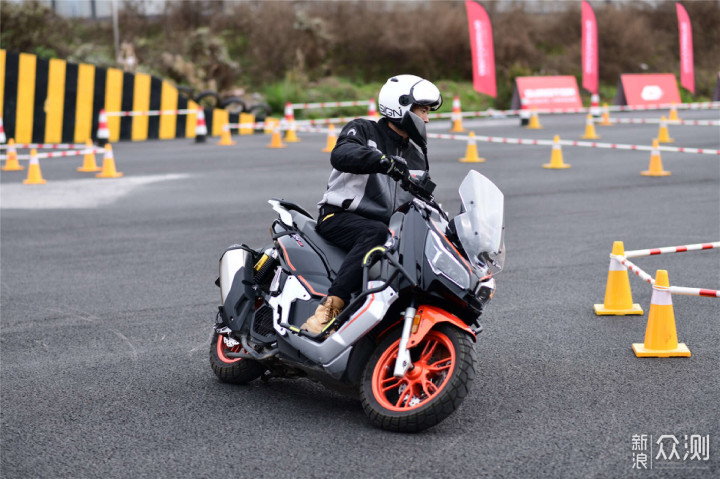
(426, 94)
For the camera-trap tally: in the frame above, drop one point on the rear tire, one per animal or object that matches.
(232, 370)
(444, 367)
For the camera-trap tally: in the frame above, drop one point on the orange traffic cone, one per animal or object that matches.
(556, 157)
(225, 137)
(103, 133)
(200, 126)
(108, 168)
(673, 113)
(276, 140)
(331, 139)
(34, 176)
(534, 121)
(372, 109)
(457, 116)
(605, 121)
(655, 168)
(269, 125)
(290, 133)
(660, 333)
(2, 131)
(618, 296)
(471, 153)
(590, 133)
(663, 135)
(89, 164)
(11, 162)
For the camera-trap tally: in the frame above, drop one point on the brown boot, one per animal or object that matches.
(324, 314)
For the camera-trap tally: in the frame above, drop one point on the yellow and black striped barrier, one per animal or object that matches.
(55, 101)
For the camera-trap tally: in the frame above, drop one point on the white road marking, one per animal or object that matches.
(74, 194)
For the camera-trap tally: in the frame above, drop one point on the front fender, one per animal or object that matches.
(427, 317)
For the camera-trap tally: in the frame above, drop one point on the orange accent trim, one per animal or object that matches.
(287, 256)
(372, 298)
(304, 281)
(429, 317)
(307, 284)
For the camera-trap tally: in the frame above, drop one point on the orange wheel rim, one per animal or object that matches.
(432, 368)
(222, 349)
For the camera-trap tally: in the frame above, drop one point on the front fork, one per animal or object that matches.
(403, 363)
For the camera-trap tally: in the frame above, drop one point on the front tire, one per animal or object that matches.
(444, 367)
(232, 370)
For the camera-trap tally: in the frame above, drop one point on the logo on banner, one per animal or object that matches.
(651, 93)
(549, 93)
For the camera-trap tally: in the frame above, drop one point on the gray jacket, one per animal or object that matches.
(357, 183)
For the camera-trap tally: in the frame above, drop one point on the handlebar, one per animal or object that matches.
(421, 189)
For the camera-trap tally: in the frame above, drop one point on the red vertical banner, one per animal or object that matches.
(483, 52)
(589, 49)
(687, 68)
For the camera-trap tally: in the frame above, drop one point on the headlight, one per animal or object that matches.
(443, 262)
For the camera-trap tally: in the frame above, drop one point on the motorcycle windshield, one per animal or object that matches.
(479, 226)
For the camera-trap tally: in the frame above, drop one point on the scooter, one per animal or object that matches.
(404, 343)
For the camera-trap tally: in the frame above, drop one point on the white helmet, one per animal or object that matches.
(401, 92)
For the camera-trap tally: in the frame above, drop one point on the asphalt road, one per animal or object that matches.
(108, 302)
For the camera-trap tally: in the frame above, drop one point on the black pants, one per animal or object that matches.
(357, 235)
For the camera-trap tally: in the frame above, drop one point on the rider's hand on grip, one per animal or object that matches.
(397, 168)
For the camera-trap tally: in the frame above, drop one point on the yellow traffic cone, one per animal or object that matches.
(673, 113)
(655, 168)
(556, 158)
(534, 121)
(590, 133)
(457, 116)
(108, 168)
(605, 120)
(270, 124)
(618, 296)
(660, 333)
(471, 153)
(276, 140)
(89, 164)
(331, 139)
(225, 137)
(291, 134)
(663, 135)
(11, 162)
(34, 176)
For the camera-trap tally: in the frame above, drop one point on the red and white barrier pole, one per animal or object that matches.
(671, 249)
(586, 144)
(48, 146)
(681, 290)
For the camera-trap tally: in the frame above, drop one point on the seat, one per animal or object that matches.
(334, 255)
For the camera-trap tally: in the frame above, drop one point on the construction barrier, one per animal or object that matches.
(561, 111)
(622, 259)
(60, 154)
(669, 122)
(585, 144)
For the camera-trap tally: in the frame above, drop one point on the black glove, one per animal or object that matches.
(397, 168)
